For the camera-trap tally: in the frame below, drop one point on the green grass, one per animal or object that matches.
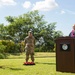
(37, 55)
(45, 65)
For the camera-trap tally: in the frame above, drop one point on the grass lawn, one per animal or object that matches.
(45, 65)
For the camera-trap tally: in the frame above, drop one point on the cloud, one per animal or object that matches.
(63, 12)
(27, 4)
(67, 11)
(70, 12)
(7, 2)
(45, 5)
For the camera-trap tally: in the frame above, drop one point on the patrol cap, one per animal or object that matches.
(29, 31)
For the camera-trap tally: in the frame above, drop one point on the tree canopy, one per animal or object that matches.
(18, 28)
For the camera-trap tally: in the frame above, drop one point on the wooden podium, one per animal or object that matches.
(65, 54)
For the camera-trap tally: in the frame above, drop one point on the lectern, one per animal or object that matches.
(65, 54)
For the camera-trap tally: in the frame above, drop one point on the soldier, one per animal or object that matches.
(29, 46)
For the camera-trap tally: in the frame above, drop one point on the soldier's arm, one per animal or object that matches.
(25, 41)
(34, 41)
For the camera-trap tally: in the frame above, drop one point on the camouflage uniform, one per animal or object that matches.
(29, 47)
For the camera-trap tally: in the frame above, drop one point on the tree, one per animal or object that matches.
(57, 34)
(22, 24)
(10, 19)
(2, 29)
(18, 28)
(47, 33)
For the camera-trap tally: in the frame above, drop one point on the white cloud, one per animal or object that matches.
(67, 11)
(70, 12)
(7, 2)
(27, 4)
(63, 12)
(45, 5)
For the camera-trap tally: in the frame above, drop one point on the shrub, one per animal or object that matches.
(37, 50)
(54, 48)
(2, 53)
(2, 48)
(22, 46)
(2, 56)
(11, 47)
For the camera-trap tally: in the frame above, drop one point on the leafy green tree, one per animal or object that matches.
(47, 33)
(1, 28)
(22, 24)
(18, 28)
(9, 19)
(57, 34)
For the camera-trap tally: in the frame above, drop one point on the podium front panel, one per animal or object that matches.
(65, 54)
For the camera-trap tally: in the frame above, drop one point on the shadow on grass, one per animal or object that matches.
(44, 56)
(46, 63)
(5, 67)
(16, 68)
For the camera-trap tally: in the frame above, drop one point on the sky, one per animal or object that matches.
(60, 11)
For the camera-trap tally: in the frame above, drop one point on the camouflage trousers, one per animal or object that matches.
(29, 51)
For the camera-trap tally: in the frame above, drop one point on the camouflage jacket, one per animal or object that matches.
(29, 41)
